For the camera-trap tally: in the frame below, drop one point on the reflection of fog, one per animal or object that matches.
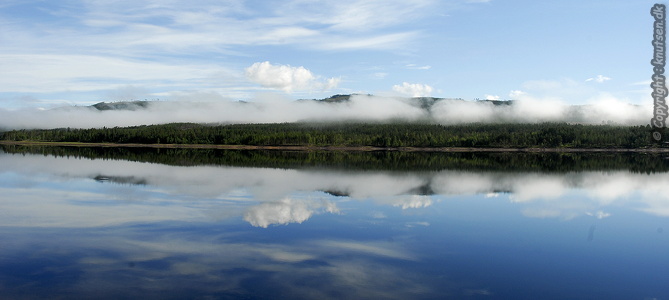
(265, 196)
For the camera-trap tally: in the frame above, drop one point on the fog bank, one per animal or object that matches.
(273, 109)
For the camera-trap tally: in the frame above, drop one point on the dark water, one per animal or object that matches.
(130, 224)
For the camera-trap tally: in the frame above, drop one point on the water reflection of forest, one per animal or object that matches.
(369, 160)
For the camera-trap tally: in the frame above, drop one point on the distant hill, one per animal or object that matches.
(422, 102)
(332, 99)
(122, 105)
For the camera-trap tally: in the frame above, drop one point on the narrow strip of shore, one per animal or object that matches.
(332, 148)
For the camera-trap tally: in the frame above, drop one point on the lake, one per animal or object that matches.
(110, 223)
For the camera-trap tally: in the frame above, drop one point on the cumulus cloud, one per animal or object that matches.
(287, 78)
(413, 89)
(332, 83)
(491, 97)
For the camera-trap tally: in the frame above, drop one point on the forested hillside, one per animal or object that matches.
(356, 134)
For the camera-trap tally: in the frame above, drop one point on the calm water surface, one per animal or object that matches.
(74, 227)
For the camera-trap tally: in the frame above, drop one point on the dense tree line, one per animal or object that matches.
(365, 160)
(357, 134)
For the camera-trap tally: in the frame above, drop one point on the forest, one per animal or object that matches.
(543, 135)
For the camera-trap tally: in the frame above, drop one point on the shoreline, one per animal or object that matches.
(334, 148)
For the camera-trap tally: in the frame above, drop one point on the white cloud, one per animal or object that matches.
(413, 89)
(516, 93)
(85, 48)
(491, 97)
(381, 41)
(357, 15)
(32, 73)
(128, 28)
(332, 83)
(416, 67)
(644, 83)
(129, 92)
(599, 79)
(287, 78)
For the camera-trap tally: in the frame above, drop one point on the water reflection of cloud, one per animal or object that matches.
(536, 186)
(599, 214)
(384, 249)
(466, 183)
(124, 262)
(166, 238)
(607, 187)
(271, 191)
(286, 211)
(44, 207)
(206, 181)
(414, 224)
(412, 201)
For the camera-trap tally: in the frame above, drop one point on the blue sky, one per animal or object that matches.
(82, 52)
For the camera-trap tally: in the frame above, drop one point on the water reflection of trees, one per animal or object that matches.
(371, 160)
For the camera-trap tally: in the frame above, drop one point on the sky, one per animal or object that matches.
(80, 52)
